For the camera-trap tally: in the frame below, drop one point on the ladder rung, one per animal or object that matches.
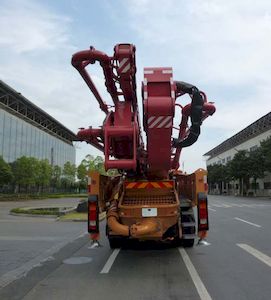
(188, 224)
(188, 236)
(187, 213)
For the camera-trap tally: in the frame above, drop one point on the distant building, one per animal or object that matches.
(27, 130)
(247, 139)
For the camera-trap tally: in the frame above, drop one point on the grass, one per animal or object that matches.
(55, 211)
(74, 216)
(37, 211)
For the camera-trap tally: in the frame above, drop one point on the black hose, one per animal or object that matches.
(196, 114)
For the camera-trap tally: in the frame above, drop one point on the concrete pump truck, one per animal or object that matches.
(150, 199)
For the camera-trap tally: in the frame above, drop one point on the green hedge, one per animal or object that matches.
(19, 197)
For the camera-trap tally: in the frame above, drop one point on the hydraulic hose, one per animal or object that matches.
(144, 227)
(195, 116)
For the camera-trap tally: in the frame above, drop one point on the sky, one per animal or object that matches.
(222, 47)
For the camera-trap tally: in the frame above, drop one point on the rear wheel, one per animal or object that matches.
(115, 242)
(188, 243)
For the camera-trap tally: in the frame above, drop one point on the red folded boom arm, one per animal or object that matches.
(120, 136)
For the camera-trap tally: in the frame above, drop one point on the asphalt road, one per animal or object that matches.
(26, 239)
(235, 265)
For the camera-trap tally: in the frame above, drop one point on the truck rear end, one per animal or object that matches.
(148, 210)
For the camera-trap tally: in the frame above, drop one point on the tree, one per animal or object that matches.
(266, 154)
(218, 174)
(6, 175)
(43, 174)
(69, 172)
(56, 177)
(25, 171)
(94, 164)
(239, 170)
(82, 176)
(256, 166)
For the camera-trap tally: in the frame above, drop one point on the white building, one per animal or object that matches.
(247, 139)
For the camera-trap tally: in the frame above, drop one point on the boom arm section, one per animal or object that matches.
(120, 136)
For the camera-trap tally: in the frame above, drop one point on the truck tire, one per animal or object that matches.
(188, 243)
(115, 242)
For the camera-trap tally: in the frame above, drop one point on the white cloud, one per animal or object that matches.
(221, 41)
(28, 26)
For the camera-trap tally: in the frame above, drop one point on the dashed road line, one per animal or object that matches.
(250, 223)
(256, 253)
(110, 261)
(226, 205)
(201, 289)
(230, 205)
(211, 209)
(217, 205)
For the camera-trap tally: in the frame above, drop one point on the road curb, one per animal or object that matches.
(34, 215)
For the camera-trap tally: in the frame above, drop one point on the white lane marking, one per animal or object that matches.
(202, 291)
(240, 205)
(110, 261)
(258, 254)
(17, 273)
(225, 205)
(250, 223)
(211, 209)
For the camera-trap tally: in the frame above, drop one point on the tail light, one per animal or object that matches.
(203, 220)
(93, 214)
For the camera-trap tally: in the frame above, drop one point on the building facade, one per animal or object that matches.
(26, 130)
(247, 139)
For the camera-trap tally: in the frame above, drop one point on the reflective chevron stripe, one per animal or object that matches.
(160, 121)
(124, 65)
(149, 185)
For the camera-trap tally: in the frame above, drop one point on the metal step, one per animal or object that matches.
(189, 236)
(188, 224)
(185, 204)
(189, 213)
